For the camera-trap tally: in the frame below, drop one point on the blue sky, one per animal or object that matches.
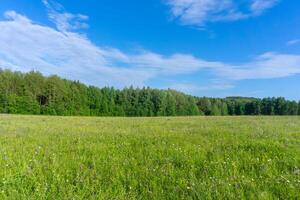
(202, 47)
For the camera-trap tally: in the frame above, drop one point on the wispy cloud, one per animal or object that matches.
(29, 46)
(293, 42)
(259, 6)
(25, 46)
(63, 20)
(193, 88)
(266, 66)
(200, 12)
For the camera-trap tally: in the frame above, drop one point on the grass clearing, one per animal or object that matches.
(45, 157)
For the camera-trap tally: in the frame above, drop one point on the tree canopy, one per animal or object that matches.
(33, 93)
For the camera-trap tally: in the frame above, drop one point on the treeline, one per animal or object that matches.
(33, 93)
(248, 106)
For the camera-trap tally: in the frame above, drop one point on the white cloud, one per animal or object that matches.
(175, 64)
(63, 20)
(266, 66)
(15, 16)
(30, 46)
(25, 46)
(199, 12)
(258, 6)
(193, 88)
(293, 42)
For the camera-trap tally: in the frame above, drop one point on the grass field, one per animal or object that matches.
(149, 158)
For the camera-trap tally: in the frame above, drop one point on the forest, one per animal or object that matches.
(33, 93)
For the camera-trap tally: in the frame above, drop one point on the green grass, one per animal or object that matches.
(149, 158)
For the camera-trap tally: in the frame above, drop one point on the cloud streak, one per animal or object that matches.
(28, 46)
(293, 42)
(63, 20)
(266, 66)
(200, 12)
(25, 46)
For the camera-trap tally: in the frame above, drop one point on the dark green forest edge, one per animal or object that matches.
(33, 93)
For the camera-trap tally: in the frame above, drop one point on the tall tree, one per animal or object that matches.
(292, 108)
(170, 105)
(267, 106)
(281, 106)
(204, 104)
(224, 109)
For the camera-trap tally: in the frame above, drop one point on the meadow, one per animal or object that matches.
(44, 157)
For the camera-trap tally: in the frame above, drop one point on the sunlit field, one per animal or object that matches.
(149, 158)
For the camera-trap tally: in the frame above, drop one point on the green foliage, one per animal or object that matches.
(171, 105)
(268, 106)
(32, 93)
(224, 109)
(204, 105)
(44, 157)
(292, 108)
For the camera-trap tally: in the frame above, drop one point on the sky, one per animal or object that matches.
(214, 48)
